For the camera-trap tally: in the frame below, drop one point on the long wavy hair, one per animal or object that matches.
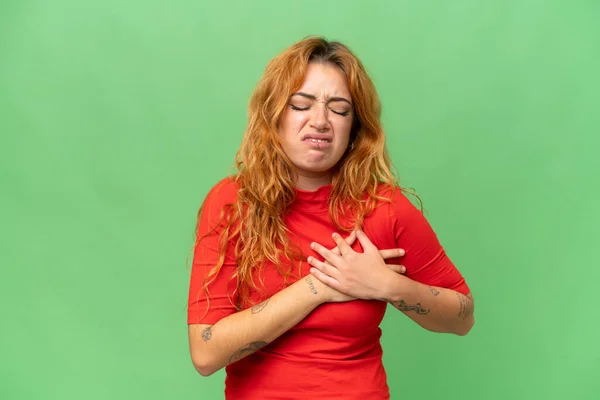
(265, 176)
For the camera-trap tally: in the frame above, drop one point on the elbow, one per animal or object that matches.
(203, 365)
(204, 370)
(203, 356)
(466, 326)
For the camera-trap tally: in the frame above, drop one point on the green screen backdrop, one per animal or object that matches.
(116, 118)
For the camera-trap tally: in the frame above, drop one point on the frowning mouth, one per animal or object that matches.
(318, 141)
(317, 138)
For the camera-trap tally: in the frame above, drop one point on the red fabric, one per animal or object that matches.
(335, 352)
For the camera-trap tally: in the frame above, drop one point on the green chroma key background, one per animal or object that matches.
(116, 118)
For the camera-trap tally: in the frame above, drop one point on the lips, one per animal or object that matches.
(318, 138)
(318, 141)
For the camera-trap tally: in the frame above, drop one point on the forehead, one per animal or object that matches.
(325, 80)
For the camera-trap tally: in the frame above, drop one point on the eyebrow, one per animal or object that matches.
(329, 99)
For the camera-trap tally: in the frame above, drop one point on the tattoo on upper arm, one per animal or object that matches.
(434, 291)
(259, 307)
(207, 333)
(311, 285)
(402, 306)
(466, 306)
(247, 350)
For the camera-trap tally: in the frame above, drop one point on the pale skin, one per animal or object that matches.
(323, 106)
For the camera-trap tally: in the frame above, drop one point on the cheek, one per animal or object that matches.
(299, 120)
(344, 127)
(292, 124)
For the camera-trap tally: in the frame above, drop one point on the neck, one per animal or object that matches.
(312, 182)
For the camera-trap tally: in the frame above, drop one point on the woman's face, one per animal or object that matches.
(315, 127)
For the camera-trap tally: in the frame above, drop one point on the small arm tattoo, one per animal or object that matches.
(207, 334)
(311, 285)
(434, 291)
(259, 307)
(247, 350)
(402, 306)
(466, 306)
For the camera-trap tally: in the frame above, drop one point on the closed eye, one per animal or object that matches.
(342, 113)
(298, 108)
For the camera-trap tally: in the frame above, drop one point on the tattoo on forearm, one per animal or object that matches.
(311, 285)
(434, 291)
(403, 306)
(466, 306)
(207, 334)
(259, 307)
(247, 350)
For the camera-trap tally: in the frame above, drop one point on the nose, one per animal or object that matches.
(319, 118)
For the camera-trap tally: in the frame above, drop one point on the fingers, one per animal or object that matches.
(336, 251)
(367, 245)
(328, 255)
(325, 268)
(323, 277)
(400, 269)
(342, 245)
(350, 240)
(391, 253)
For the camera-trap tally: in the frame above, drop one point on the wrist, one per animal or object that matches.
(397, 287)
(314, 288)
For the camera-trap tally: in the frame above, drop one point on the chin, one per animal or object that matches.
(318, 168)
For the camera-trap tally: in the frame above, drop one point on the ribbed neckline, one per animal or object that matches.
(313, 201)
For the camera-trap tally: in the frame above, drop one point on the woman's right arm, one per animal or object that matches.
(232, 338)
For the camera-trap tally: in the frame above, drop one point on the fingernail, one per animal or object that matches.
(401, 252)
(403, 269)
(312, 245)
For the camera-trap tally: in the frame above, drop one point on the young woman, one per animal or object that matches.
(289, 283)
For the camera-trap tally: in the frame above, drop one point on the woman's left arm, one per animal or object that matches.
(365, 276)
(435, 309)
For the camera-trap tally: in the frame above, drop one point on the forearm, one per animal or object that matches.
(435, 309)
(241, 334)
